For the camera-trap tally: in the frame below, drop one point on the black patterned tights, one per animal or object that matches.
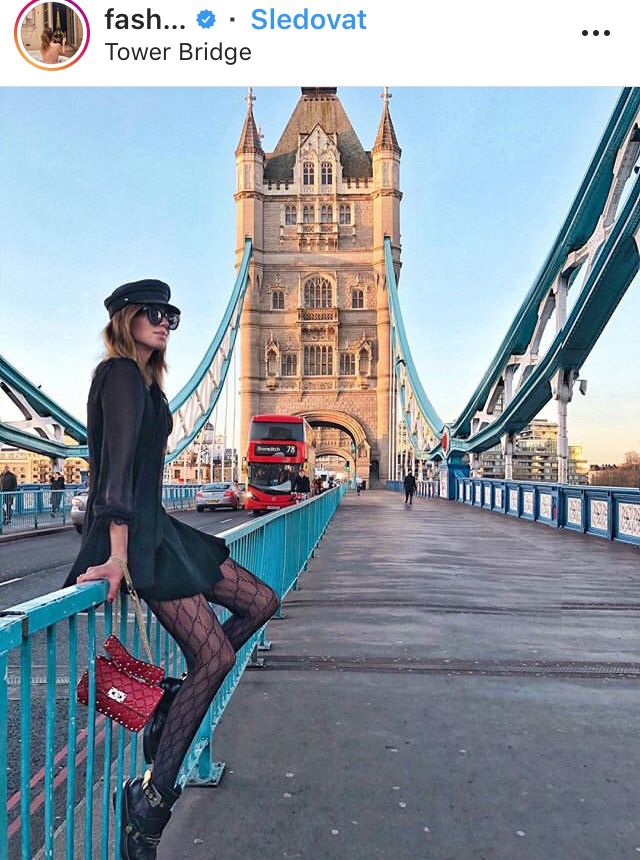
(209, 649)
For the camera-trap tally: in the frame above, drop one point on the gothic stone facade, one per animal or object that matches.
(314, 333)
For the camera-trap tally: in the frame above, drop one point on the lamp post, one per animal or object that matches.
(208, 436)
(220, 442)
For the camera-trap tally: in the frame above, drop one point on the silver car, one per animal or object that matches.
(79, 509)
(220, 495)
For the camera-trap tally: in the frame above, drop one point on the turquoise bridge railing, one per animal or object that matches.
(612, 513)
(33, 509)
(56, 783)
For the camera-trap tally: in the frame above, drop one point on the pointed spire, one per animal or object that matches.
(250, 137)
(386, 138)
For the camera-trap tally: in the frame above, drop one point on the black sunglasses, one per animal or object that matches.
(157, 313)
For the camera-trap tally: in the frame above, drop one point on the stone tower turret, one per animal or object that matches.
(250, 222)
(314, 331)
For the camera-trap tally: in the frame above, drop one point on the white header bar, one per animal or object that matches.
(337, 42)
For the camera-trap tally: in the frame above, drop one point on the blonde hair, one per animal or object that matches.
(120, 343)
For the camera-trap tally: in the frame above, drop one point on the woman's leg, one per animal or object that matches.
(251, 601)
(209, 656)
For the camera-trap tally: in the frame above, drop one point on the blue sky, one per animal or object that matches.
(105, 185)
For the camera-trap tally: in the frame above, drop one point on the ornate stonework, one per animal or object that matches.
(599, 514)
(527, 503)
(513, 500)
(629, 519)
(487, 495)
(545, 506)
(497, 495)
(317, 211)
(574, 511)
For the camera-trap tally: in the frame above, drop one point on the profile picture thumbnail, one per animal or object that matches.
(52, 35)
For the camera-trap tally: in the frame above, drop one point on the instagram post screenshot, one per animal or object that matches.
(319, 430)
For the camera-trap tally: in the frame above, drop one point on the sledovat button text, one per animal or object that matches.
(270, 19)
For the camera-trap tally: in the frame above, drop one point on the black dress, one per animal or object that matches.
(128, 425)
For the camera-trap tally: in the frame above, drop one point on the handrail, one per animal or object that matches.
(46, 407)
(609, 279)
(42, 404)
(200, 379)
(403, 363)
(68, 626)
(577, 227)
(33, 508)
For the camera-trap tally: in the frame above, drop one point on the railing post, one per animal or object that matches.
(4, 721)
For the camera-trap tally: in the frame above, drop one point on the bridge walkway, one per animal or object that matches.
(447, 684)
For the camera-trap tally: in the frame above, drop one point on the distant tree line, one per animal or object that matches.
(625, 475)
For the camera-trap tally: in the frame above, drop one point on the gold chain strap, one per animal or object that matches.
(136, 604)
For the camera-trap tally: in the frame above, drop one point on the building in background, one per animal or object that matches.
(535, 456)
(314, 332)
(30, 468)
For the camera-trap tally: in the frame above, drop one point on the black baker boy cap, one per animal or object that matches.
(145, 292)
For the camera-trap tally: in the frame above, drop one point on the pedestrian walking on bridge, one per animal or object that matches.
(178, 570)
(410, 487)
(302, 484)
(57, 492)
(8, 483)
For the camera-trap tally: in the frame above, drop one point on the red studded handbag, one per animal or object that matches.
(127, 689)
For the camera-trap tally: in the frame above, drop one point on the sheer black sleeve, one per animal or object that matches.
(122, 398)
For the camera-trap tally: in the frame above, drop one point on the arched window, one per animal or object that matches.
(357, 299)
(326, 173)
(326, 214)
(318, 360)
(308, 215)
(347, 364)
(272, 363)
(345, 213)
(277, 300)
(364, 363)
(308, 173)
(290, 215)
(318, 293)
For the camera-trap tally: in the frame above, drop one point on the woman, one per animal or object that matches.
(176, 569)
(50, 49)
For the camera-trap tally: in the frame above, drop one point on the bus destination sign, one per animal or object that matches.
(278, 449)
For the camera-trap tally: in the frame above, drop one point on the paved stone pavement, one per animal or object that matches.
(448, 684)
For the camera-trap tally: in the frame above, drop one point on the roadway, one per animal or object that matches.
(38, 565)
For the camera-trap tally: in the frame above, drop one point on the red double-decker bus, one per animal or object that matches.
(279, 446)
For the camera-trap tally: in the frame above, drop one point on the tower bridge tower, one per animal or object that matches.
(314, 332)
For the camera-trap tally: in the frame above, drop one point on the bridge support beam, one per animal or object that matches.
(474, 464)
(562, 389)
(507, 448)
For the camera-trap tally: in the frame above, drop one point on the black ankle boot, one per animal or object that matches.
(145, 813)
(154, 728)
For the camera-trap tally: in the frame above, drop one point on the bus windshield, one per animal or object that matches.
(276, 430)
(273, 477)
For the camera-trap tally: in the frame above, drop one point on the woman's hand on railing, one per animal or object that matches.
(111, 571)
